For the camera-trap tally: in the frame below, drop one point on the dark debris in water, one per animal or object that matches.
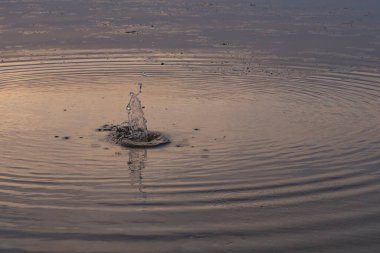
(124, 136)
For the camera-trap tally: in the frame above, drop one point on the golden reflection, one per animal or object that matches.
(136, 163)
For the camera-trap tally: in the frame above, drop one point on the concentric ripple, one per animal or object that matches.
(259, 155)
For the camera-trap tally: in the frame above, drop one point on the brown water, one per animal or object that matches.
(270, 152)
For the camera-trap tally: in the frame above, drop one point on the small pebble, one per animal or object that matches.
(196, 129)
(66, 137)
(57, 136)
(162, 63)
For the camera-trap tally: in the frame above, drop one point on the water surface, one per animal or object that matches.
(272, 150)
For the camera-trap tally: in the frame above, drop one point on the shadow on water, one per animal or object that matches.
(136, 164)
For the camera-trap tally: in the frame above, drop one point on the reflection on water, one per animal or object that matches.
(273, 109)
(136, 164)
(290, 157)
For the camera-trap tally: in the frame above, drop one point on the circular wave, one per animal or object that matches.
(255, 153)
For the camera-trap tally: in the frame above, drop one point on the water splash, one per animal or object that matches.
(134, 132)
(136, 120)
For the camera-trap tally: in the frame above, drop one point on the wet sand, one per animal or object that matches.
(273, 109)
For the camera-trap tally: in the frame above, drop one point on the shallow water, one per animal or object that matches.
(269, 153)
(292, 159)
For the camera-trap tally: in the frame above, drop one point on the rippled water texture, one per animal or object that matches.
(268, 153)
(292, 159)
